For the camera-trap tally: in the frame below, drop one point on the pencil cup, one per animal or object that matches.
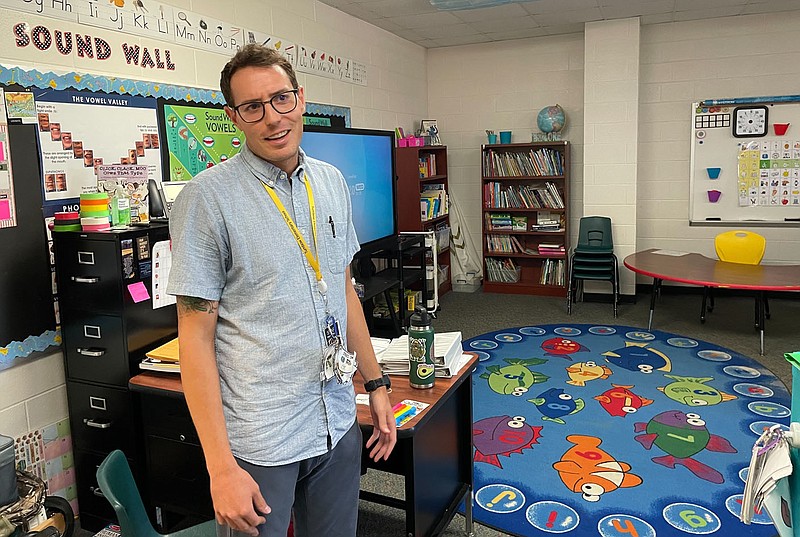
(505, 137)
(492, 138)
(713, 173)
(713, 195)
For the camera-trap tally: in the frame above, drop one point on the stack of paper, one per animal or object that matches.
(770, 463)
(164, 358)
(447, 355)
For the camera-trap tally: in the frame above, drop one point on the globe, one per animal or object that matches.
(551, 119)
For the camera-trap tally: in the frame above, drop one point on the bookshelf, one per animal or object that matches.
(422, 200)
(525, 217)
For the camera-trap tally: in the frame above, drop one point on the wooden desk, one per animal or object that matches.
(433, 451)
(697, 269)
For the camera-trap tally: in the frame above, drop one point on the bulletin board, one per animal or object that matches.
(750, 180)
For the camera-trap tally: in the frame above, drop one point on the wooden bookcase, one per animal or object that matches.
(422, 175)
(522, 185)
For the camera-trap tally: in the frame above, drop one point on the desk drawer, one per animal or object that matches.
(177, 476)
(90, 500)
(95, 348)
(168, 417)
(89, 274)
(101, 418)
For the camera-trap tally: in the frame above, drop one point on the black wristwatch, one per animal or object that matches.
(374, 384)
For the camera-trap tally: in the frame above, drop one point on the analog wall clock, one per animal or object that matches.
(750, 121)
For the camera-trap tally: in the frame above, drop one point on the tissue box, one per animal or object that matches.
(416, 141)
(8, 474)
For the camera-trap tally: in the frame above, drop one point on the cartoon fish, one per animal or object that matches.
(559, 346)
(555, 403)
(639, 357)
(587, 469)
(582, 372)
(621, 401)
(515, 378)
(693, 391)
(681, 436)
(502, 435)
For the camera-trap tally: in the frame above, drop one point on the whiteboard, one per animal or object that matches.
(758, 179)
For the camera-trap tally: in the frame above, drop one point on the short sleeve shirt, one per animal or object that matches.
(230, 244)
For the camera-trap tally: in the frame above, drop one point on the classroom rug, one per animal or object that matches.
(616, 431)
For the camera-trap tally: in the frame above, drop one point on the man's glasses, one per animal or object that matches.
(283, 103)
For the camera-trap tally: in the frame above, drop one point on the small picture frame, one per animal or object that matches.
(428, 127)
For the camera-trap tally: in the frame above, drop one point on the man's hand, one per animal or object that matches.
(238, 502)
(384, 431)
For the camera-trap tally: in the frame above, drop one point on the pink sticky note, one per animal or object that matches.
(5, 210)
(138, 292)
(2, 152)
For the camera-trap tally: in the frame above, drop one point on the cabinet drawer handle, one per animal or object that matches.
(97, 492)
(81, 279)
(97, 424)
(91, 352)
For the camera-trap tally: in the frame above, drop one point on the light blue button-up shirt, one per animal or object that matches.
(231, 245)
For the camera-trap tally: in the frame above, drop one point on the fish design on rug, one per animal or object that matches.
(621, 401)
(502, 435)
(555, 403)
(693, 391)
(515, 378)
(588, 470)
(639, 357)
(563, 347)
(681, 436)
(582, 372)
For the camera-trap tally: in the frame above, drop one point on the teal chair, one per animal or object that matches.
(116, 482)
(593, 259)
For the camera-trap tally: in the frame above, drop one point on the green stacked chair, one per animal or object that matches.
(593, 258)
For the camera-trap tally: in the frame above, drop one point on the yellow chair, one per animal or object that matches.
(737, 246)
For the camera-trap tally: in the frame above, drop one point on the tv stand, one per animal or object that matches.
(398, 276)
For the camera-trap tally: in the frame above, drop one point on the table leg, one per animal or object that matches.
(468, 513)
(761, 319)
(656, 287)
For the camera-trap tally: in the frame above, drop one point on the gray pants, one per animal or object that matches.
(322, 491)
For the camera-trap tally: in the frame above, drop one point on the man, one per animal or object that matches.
(263, 289)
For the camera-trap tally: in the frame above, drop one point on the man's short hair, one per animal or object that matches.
(253, 55)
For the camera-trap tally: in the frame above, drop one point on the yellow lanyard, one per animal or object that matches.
(313, 260)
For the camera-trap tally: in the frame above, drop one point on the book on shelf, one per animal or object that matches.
(393, 356)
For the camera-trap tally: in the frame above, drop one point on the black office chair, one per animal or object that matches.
(593, 259)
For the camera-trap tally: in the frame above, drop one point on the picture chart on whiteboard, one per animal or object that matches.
(745, 161)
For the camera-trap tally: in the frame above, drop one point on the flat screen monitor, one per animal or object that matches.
(366, 159)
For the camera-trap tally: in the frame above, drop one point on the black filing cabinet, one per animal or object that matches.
(106, 333)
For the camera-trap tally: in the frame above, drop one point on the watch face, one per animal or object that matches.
(750, 121)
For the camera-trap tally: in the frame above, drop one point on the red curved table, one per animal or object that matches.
(697, 269)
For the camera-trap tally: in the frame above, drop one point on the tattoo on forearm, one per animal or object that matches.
(191, 304)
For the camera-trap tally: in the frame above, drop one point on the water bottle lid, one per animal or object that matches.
(421, 317)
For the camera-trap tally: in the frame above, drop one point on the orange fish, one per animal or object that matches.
(587, 469)
(582, 372)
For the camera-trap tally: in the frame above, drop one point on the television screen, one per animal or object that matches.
(197, 138)
(366, 159)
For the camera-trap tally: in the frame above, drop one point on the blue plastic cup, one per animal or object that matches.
(492, 138)
(505, 137)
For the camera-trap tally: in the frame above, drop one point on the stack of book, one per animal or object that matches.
(499, 222)
(551, 250)
(165, 358)
(393, 357)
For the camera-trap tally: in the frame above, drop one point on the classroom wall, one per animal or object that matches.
(503, 85)
(687, 62)
(396, 94)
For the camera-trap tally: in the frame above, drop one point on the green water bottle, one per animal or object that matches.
(422, 372)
